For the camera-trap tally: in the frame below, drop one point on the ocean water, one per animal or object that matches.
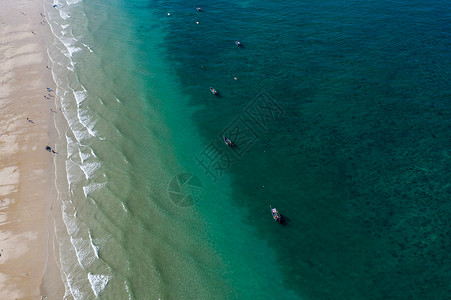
(341, 113)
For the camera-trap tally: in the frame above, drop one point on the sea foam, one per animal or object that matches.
(64, 15)
(73, 173)
(80, 96)
(123, 207)
(89, 48)
(73, 2)
(89, 169)
(94, 247)
(84, 156)
(98, 282)
(83, 250)
(88, 189)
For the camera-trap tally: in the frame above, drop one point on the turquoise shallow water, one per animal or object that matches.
(341, 116)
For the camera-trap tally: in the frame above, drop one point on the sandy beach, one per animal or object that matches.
(28, 268)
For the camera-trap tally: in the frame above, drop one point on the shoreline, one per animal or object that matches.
(28, 266)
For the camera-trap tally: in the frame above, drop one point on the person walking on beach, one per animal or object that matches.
(49, 149)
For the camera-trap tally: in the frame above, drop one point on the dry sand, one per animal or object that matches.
(28, 268)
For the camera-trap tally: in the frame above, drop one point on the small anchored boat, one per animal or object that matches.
(198, 8)
(228, 142)
(214, 91)
(237, 43)
(275, 215)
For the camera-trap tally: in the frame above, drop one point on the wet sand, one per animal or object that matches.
(28, 268)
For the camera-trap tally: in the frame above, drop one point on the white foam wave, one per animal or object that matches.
(72, 147)
(100, 100)
(94, 247)
(64, 15)
(83, 251)
(83, 115)
(72, 2)
(128, 290)
(76, 293)
(71, 224)
(80, 96)
(92, 152)
(86, 120)
(89, 48)
(98, 282)
(72, 171)
(89, 169)
(88, 189)
(72, 50)
(83, 156)
(80, 135)
(69, 43)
